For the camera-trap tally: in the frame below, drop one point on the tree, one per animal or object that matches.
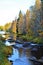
(36, 17)
(20, 23)
(12, 29)
(42, 7)
(1, 28)
(7, 26)
(27, 20)
(38, 4)
(13, 26)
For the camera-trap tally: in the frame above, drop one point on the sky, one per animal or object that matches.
(9, 9)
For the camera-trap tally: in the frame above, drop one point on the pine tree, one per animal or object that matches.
(20, 23)
(27, 20)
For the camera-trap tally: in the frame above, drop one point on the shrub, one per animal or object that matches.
(38, 40)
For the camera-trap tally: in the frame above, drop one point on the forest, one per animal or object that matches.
(28, 26)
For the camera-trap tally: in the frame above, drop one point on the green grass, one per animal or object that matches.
(4, 52)
(32, 39)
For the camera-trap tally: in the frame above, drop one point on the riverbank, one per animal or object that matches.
(33, 39)
(4, 52)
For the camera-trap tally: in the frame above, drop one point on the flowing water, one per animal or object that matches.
(20, 57)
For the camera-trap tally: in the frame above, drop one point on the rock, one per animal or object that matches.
(26, 44)
(37, 51)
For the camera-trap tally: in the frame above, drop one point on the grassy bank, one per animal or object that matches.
(34, 39)
(4, 52)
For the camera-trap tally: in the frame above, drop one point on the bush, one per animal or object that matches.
(2, 38)
(38, 40)
(27, 38)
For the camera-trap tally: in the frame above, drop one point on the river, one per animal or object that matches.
(20, 56)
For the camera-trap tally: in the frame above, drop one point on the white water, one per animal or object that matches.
(9, 44)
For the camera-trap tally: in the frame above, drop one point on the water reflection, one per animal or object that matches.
(15, 55)
(20, 57)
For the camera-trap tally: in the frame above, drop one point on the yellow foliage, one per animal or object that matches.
(14, 27)
(27, 20)
(7, 26)
(38, 4)
(1, 27)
